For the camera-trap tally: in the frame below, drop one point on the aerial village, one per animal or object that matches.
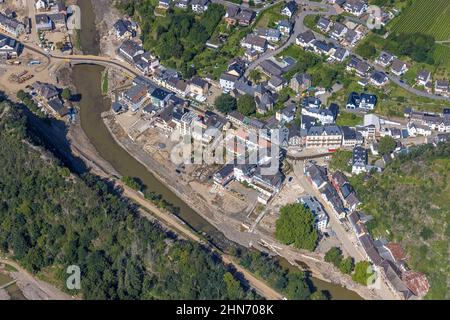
(159, 104)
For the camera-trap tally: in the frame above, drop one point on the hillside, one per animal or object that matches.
(50, 219)
(410, 204)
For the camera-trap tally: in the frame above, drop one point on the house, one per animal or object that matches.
(423, 77)
(359, 160)
(305, 39)
(254, 42)
(134, 97)
(356, 7)
(45, 91)
(224, 175)
(339, 30)
(320, 216)
(199, 6)
(228, 82)
(378, 78)
(236, 68)
(321, 47)
(324, 24)
(295, 137)
(264, 102)
(441, 87)
(129, 50)
(351, 37)
(393, 276)
(340, 55)
(325, 116)
(399, 67)
(9, 48)
(316, 175)
(269, 34)
(277, 83)
(289, 9)
(361, 67)
(363, 101)
(329, 136)
(124, 29)
(286, 114)
(43, 23)
(245, 17)
(285, 27)
(330, 195)
(198, 86)
(11, 25)
(385, 59)
(312, 102)
(160, 97)
(416, 282)
(182, 4)
(270, 68)
(300, 82)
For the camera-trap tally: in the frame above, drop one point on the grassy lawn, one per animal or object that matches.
(270, 16)
(348, 119)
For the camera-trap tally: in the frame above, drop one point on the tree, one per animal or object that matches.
(246, 105)
(334, 256)
(347, 265)
(297, 288)
(296, 226)
(387, 145)
(363, 273)
(66, 94)
(367, 51)
(319, 295)
(225, 103)
(234, 289)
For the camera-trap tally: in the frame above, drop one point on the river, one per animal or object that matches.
(87, 79)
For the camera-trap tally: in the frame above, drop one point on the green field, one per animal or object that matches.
(425, 16)
(442, 55)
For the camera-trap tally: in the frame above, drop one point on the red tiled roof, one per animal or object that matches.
(416, 282)
(397, 251)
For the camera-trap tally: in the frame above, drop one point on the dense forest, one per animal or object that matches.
(50, 219)
(410, 204)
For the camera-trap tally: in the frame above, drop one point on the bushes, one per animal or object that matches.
(334, 256)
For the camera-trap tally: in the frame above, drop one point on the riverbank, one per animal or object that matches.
(27, 287)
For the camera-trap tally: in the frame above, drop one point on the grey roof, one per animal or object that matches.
(331, 130)
(306, 36)
(271, 68)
